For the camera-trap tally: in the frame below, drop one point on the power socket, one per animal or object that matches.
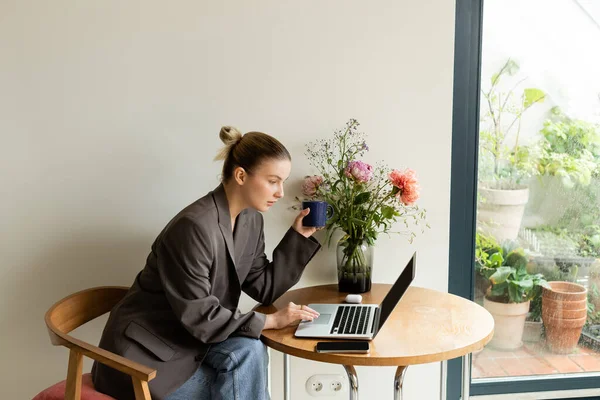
(325, 385)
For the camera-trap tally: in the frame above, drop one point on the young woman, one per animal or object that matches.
(181, 315)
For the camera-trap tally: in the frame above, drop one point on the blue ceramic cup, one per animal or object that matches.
(320, 212)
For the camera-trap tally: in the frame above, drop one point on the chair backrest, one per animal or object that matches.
(81, 307)
(74, 311)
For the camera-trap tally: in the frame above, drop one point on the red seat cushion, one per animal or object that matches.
(57, 392)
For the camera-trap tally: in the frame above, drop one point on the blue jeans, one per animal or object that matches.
(235, 369)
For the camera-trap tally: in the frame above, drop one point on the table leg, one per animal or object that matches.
(287, 380)
(353, 379)
(398, 381)
(466, 377)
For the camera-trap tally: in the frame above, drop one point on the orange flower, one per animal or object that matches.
(406, 186)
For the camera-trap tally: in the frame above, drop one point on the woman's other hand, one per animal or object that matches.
(288, 315)
(305, 231)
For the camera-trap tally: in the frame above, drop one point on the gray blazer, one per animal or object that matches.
(187, 295)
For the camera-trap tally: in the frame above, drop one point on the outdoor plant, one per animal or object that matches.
(589, 241)
(505, 266)
(559, 241)
(582, 210)
(593, 296)
(593, 315)
(570, 149)
(367, 200)
(505, 161)
(535, 308)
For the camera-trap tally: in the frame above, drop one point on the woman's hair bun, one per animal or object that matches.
(230, 136)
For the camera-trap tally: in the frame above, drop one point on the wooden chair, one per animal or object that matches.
(74, 311)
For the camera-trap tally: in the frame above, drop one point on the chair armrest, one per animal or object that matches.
(113, 360)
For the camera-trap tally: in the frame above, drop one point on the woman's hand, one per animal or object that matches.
(305, 231)
(288, 315)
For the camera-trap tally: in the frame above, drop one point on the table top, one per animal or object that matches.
(426, 326)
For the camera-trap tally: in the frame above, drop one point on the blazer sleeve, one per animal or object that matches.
(184, 260)
(268, 280)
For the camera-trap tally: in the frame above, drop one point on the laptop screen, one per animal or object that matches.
(397, 291)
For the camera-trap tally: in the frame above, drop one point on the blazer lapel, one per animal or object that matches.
(241, 234)
(225, 224)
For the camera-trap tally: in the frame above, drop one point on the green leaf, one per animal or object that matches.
(516, 259)
(495, 78)
(511, 67)
(360, 222)
(525, 283)
(496, 259)
(362, 198)
(499, 290)
(387, 212)
(501, 274)
(533, 95)
(513, 294)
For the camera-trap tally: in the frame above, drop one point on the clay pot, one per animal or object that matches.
(565, 291)
(500, 212)
(509, 322)
(562, 335)
(563, 304)
(564, 312)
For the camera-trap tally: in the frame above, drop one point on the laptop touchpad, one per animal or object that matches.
(323, 319)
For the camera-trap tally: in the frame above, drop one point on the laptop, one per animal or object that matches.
(356, 321)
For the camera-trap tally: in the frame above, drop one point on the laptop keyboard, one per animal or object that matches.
(351, 320)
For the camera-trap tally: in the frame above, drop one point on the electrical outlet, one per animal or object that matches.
(325, 385)
(336, 385)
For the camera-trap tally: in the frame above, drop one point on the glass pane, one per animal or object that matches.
(538, 213)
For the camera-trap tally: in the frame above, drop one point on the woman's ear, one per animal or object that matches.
(240, 175)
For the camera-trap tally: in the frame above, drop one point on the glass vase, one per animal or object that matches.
(354, 265)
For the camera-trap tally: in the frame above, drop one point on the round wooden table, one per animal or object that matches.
(426, 326)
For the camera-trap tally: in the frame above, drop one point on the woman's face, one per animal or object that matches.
(264, 186)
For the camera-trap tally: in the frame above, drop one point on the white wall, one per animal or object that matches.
(109, 114)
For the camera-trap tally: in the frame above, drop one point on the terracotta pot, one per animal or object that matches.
(564, 312)
(563, 304)
(562, 335)
(509, 322)
(565, 291)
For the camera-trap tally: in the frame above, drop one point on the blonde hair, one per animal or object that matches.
(230, 136)
(247, 151)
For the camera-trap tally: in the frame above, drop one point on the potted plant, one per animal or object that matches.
(511, 289)
(488, 255)
(367, 200)
(504, 161)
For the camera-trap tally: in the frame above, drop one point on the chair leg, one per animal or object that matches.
(73, 389)
(141, 389)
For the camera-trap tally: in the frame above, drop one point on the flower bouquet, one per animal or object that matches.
(367, 200)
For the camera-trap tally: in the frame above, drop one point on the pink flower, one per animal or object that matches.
(359, 171)
(311, 185)
(406, 186)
